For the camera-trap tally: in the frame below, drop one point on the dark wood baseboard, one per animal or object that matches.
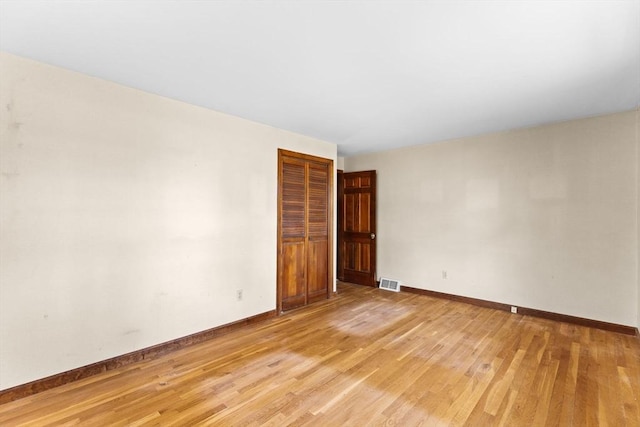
(57, 380)
(613, 327)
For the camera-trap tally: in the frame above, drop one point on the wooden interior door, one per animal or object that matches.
(318, 220)
(292, 234)
(304, 229)
(357, 233)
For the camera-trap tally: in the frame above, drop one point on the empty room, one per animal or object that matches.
(323, 213)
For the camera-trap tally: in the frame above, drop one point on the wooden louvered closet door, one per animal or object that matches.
(304, 229)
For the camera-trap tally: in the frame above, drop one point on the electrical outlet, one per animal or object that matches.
(239, 294)
(444, 274)
(514, 309)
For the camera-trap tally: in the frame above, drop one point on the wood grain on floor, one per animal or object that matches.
(367, 357)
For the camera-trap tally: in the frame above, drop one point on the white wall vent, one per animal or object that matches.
(390, 284)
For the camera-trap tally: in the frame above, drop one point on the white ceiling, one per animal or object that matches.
(366, 75)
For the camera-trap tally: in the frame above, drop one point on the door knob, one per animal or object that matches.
(373, 236)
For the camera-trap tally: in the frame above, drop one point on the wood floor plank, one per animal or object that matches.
(366, 357)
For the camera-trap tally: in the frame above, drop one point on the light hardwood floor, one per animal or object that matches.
(367, 357)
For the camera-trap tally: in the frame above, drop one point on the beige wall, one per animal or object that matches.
(127, 219)
(543, 218)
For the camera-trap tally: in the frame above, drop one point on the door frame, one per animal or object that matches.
(340, 219)
(330, 223)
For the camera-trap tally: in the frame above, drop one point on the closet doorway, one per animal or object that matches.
(305, 229)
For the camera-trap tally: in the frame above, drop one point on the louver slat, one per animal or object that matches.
(318, 201)
(293, 196)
